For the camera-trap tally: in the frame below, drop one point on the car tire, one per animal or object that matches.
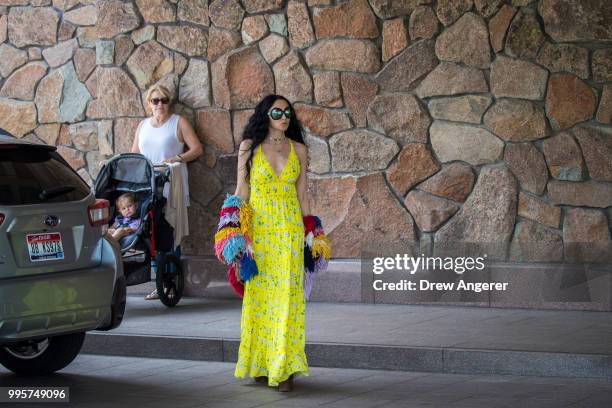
(42, 357)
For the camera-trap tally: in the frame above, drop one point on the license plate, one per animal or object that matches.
(45, 247)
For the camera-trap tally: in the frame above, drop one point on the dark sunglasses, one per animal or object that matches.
(164, 101)
(277, 113)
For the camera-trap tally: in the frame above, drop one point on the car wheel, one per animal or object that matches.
(169, 279)
(40, 357)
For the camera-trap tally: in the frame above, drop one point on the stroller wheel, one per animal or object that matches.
(169, 279)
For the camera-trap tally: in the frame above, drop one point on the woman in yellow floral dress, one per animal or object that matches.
(272, 164)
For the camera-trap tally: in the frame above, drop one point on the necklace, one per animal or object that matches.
(277, 142)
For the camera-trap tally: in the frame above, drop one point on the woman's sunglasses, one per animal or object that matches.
(164, 101)
(277, 113)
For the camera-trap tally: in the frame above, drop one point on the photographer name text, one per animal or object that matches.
(410, 265)
(424, 284)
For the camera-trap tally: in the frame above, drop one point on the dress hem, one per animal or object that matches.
(274, 383)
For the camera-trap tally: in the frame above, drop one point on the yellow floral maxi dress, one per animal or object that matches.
(272, 329)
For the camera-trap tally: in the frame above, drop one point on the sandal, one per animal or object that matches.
(152, 296)
(261, 379)
(287, 385)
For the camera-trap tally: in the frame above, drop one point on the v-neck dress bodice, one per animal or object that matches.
(272, 330)
(274, 196)
(263, 176)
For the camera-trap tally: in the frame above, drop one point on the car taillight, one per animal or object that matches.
(1, 218)
(99, 212)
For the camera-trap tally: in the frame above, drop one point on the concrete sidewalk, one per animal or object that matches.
(105, 381)
(399, 337)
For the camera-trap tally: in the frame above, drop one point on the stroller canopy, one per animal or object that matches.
(128, 172)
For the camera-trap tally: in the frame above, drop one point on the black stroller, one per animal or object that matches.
(134, 173)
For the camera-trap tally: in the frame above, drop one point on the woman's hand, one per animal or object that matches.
(173, 159)
(237, 273)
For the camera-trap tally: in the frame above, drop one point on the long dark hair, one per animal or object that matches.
(259, 123)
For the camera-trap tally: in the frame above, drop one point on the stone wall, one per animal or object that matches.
(462, 121)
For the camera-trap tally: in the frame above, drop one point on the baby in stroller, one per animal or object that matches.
(135, 186)
(128, 222)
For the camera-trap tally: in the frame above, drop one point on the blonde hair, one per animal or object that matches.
(160, 89)
(126, 197)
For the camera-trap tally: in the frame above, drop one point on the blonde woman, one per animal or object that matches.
(166, 137)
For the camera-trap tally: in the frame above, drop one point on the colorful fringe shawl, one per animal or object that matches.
(233, 245)
(317, 251)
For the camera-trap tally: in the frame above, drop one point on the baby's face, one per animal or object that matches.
(127, 208)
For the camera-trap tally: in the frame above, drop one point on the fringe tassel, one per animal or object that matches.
(246, 217)
(309, 239)
(219, 245)
(248, 267)
(249, 243)
(228, 210)
(308, 283)
(235, 283)
(320, 265)
(225, 233)
(321, 247)
(309, 223)
(234, 246)
(308, 259)
(232, 201)
(317, 251)
(226, 219)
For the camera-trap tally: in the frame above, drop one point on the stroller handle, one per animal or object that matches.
(162, 170)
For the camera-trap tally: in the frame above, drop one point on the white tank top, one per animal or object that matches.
(160, 143)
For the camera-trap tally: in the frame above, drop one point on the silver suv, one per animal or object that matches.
(60, 276)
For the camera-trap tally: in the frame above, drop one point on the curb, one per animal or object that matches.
(363, 356)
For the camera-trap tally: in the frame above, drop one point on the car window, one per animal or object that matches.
(34, 176)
